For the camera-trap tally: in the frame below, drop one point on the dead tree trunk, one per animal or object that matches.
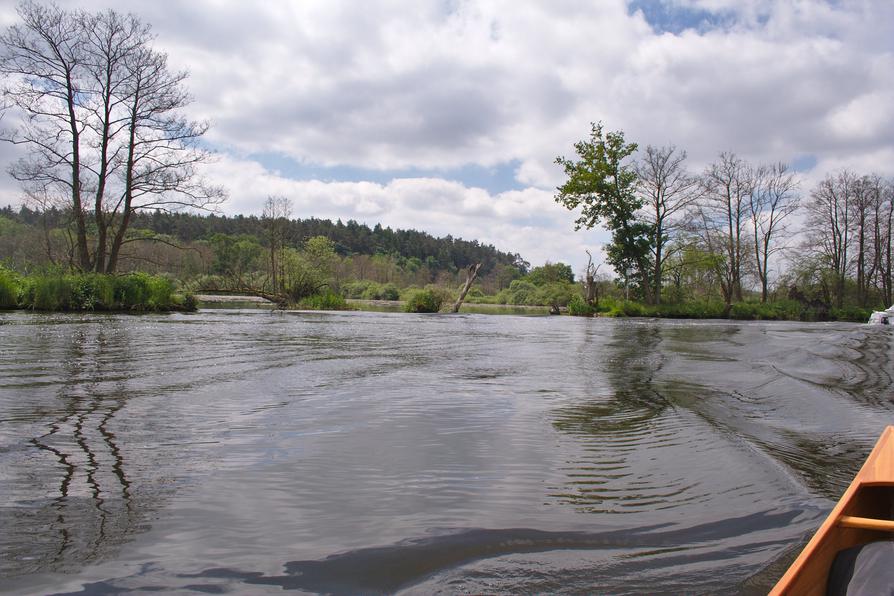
(471, 274)
(590, 285)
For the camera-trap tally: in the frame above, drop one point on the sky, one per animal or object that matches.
(447, 116)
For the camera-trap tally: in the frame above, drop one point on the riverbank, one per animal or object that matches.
(73, 292)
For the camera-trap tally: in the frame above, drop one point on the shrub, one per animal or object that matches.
(91, 291)
(390, 292)
(324, 301)
(851, 313)
(744, 311)
(376, 291)
(9, 288)
(521, 291)
(444, 294)
(47, 292)
(578, 307)
(423, 301)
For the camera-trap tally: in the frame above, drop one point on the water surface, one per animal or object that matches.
(237, 451)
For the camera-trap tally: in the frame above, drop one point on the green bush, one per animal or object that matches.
(578, 307)
(855, 314)
(92, 291)
(48, 292)
(390, 292)
(423, 301)
(521, 291)
(9, 288)
(442, 293)
(377, 291)
(324, 301)
(95, 291)
(353, 289)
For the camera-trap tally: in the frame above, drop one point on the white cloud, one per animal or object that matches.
(526, 221)
(434, 86)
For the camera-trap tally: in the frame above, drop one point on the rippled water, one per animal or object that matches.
(251, 452)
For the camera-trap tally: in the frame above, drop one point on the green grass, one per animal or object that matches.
(56, 291)
(324, 301)
(9, 288)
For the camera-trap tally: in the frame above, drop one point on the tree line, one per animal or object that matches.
(720, 233)
(48, 239)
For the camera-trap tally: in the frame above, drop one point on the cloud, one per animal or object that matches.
(413, 89)
(526, 221)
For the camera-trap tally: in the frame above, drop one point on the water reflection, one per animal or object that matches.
(616, 427)
(374, 453)
(76, 470)
(392, 568)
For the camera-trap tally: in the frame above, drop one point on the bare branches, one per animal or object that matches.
(773, 199)
(99, 113)
(668, 190)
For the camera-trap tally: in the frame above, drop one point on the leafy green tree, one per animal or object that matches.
(603, 185)
(551, 273)
(309, 271)
(235, 255)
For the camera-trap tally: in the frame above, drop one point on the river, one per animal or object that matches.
(233, 451)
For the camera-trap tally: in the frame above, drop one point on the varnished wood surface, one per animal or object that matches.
(869, 496)
(867, 523)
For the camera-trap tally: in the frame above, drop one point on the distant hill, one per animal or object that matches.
(446, 253)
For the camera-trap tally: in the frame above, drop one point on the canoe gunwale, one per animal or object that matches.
(869, 497)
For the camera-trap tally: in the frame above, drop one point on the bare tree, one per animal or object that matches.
(774, 199)
(883, 207)
(667, 190)
(591, 292)
(44, 59)
(471, 275)
(722, 213)
(830, 227)
(99, 116)
(277, 210)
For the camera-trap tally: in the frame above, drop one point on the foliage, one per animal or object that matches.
(554, 294)
(854, 314)
(578, 307)
(235, 255)
(377, 291)
(603, 185)
(56, 291)
(9, 288)
(307, 272)
(328, 300)
(551, 273)
(100, 117)
(423, 301)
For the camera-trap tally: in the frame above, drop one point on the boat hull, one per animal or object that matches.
(863, 514)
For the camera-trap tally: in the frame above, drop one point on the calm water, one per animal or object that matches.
(252, 452)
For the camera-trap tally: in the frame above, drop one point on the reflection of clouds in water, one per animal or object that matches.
(254, 438)
(89, 510)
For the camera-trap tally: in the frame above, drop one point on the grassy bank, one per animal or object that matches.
(780, 310)
(58, 291)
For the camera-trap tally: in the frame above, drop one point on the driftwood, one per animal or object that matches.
(590, 285)
(471, 274)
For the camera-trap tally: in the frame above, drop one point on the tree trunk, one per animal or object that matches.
(471, 274)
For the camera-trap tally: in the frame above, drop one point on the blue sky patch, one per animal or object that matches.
(495, 179)
(669, 17)
(804, 163)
